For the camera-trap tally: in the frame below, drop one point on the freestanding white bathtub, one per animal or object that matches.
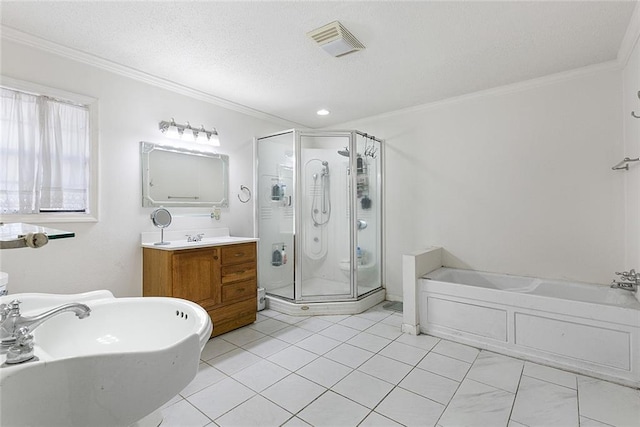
(591, 329)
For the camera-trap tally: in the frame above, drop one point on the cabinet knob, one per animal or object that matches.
(215, 257)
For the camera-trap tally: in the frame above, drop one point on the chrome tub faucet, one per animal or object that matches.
(15, 329)
(629, 280)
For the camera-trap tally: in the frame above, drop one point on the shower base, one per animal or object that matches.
(317, 286)
(365, 302)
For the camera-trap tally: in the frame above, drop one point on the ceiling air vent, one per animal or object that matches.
(335, 39)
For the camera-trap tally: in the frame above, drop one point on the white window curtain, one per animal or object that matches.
(44, 154)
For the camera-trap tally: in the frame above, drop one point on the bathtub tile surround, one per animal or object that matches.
(450, 385)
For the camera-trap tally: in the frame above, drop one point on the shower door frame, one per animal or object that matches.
(353, 279)
(353, 228)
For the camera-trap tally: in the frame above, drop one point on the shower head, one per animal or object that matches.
(325, 163)
(344, 152)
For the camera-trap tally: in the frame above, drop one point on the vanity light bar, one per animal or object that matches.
(187, 133)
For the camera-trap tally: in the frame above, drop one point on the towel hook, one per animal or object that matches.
(633, 113)
(244, 189)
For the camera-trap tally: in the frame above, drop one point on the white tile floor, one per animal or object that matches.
(361, 371)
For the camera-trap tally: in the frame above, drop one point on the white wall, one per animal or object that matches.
(106, 254)
(631, 87)
(517, 180)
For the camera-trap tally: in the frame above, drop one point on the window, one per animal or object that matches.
(46, 165)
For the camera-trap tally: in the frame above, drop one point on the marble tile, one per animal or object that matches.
(540, 403)
(349, 355)
(445, 366)
(386, 369)
(385, 331)
(363, 388)
(393, 320)
(409, 408)
(429, 385)
(256, 411)
(270, 313)
(216, 347)
(318, 344)
(183, 414)
(260, 375)
(293, 392)
(477, 404)
(234, 361)
(265, 347)
(269, 326)
(552, 375)
(242, 336)
(358, 323)
(497, 370)
(324, 371)
(597, 399)
(457, 351)
(296, 422)
(425, 342)
(339, 332)
(292, 334)
(332, 410)
(334, 318)
(292, 358)
(403, 353)
(219, 398)
(370, 342)
(314, 324)
(374, 315)
(206, 376)
(292, 320)
(588, 422)
(376, 420)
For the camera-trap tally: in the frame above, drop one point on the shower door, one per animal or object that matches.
(324, 222)
(275, 212)
(368, 213)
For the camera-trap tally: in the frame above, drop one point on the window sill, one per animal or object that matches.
(48, 218)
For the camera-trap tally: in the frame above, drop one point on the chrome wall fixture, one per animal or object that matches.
(187, 133)
(625, 162)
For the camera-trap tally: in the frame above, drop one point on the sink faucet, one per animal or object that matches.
(15, 329)
(629, 280)
(197, 238)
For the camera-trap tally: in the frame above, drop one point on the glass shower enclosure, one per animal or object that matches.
(319, 215)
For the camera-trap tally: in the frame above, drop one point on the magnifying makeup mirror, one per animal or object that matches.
(161, 218)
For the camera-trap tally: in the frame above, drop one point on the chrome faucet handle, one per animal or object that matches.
(22, 349)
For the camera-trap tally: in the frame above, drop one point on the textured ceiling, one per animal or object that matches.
(257, 53)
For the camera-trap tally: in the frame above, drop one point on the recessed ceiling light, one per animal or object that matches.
(322, 112)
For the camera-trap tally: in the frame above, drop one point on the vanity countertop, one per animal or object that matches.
(177, 240)
(173, 245)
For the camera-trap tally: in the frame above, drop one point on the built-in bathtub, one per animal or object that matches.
(586, 328)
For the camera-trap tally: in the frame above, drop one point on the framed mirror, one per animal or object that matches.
(176, 176)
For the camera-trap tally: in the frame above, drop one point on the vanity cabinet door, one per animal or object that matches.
(196, 276)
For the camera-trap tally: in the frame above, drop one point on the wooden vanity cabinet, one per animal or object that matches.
(221, 279)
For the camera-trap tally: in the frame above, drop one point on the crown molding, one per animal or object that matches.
(502, 90)
(11, 34)
(631, 37)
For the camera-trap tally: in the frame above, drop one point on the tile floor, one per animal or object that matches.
(361, 371)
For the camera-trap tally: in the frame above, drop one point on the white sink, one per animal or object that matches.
(113, 368)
